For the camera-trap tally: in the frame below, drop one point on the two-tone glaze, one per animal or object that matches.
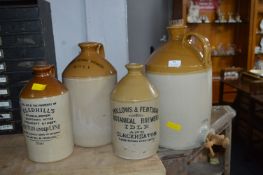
(90, 79)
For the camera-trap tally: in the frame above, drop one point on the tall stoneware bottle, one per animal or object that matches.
(181, 70)
(135, 107)
(46, 117)
(90, 79)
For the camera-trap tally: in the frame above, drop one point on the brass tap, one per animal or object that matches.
(215, 139)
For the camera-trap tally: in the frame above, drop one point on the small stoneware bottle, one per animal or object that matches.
(135, 107)
(46, 119)
(90, 79)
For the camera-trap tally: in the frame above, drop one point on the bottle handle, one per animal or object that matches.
(100, 50)
(206, 53)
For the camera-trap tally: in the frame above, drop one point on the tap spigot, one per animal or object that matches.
(215, 139)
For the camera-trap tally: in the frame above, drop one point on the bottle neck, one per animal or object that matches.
(44, 71)
(176, 32)
(134, 69)
(92, 48)
(88, 51)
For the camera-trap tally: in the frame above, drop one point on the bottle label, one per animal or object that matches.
(45, 119)
(38, 87)
(174, 126)
(174, 63)
(136, 128)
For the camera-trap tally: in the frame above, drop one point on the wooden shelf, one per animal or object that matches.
(224, 55)
(237, 52)
(232, 33)
(255, 34)
(259, 33)
(259, 8)
(215, 23)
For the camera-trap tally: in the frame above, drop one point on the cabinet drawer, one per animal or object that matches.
(17, 65)
(9, 104)
(20, 53)
(19, 13)
(10, 127)
(20, 27)
(28, 40)
(15, 77)
(8, 115)
(12, 90)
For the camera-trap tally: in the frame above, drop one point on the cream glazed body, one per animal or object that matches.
(90, 104)
(49, 138)
(185, 108)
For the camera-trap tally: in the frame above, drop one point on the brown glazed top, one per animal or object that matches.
(134, 86)
(179, 55)
(90, 62)
(43, 84)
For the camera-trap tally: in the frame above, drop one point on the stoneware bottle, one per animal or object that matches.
(181, 70)
(90, 79)
(45, 111)
(135, 107)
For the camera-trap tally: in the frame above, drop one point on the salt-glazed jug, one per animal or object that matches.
(90, 79)
(46, 119)
(135, 108)
(182, 73)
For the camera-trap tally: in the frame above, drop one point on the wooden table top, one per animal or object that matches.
(244, 86)
(239, 85)
(258, 98)
(83, 161)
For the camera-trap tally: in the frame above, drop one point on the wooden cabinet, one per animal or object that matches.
(229, 40)
(256, 34)
(26, 39)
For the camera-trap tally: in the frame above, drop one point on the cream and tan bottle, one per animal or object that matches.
(90, 79)
(182, 73)
(46, 119)
(135, 108)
